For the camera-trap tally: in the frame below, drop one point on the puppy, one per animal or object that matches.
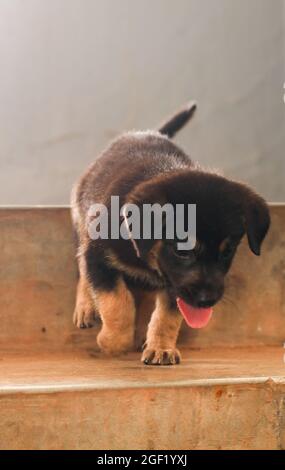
(148, 168)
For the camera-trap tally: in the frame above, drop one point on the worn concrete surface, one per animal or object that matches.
(214, 400)
(245, 417)
(38, 279)
(58, 392)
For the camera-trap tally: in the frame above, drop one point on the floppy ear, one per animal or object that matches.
(257, 222)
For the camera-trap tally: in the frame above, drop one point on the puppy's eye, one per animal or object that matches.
(184, 254)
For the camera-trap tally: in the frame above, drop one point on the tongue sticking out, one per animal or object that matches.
(194, 317)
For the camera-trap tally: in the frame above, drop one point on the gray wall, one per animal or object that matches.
(74, 73)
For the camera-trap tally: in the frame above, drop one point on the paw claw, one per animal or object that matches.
(161, 357)
(83, 318)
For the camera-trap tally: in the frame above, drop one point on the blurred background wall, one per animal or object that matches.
(75, 73)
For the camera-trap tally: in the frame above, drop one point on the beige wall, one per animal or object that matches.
(74, 73)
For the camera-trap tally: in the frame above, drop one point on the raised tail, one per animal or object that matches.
(176, 122)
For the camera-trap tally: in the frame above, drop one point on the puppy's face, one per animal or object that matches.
(225, 212)
(197, 276)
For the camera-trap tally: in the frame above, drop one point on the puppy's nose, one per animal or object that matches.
(205, 301)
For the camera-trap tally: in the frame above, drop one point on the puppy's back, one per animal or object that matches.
(132, 158)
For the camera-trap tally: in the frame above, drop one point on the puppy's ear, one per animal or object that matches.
(257, 221)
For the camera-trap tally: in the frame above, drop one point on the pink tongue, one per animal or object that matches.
(194, 317)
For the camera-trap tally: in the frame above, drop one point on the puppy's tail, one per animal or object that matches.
(176, 122)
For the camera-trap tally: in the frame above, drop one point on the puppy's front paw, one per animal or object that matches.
(84, 315)
(115, 343)
(161, 357)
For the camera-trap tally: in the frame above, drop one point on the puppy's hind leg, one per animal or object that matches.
(163, 329)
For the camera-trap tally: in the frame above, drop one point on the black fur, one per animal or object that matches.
(149, 168)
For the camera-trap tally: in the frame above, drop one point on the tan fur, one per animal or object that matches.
(117, 310)
(223, 245)
(194, 276)
(84, 313)
(152, 258)
(145, 303)
(162, 334)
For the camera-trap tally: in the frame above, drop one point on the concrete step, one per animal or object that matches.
(38, 280)
(216, 399)
(58, 392)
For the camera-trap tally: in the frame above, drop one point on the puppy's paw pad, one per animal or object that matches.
(161, 357)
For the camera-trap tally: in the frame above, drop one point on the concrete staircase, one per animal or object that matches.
(58, 392)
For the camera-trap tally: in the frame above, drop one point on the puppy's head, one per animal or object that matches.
(225, 212)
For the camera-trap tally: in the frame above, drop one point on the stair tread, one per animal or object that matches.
(38, 287)
(86, 371)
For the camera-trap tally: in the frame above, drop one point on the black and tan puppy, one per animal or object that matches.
(117, 276)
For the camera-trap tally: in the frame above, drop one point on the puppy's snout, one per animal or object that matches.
(205, 296)
(205, 300)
